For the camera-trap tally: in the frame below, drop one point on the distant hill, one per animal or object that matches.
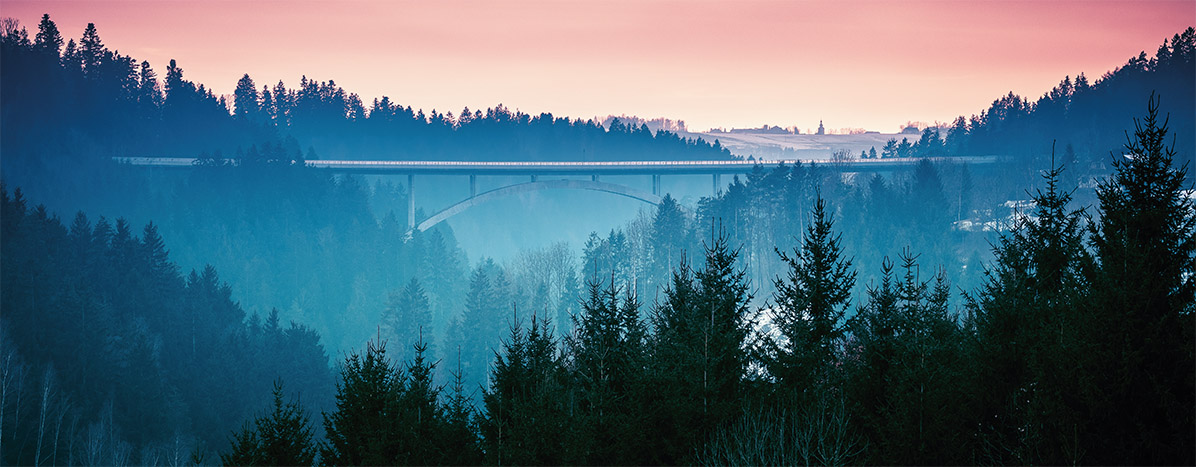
(770, 145)
(1086, 118)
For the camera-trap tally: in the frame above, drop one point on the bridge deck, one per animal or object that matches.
(569, 167)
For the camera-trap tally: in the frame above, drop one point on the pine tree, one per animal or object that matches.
(149, 96)
(607, 363)
(460, 430)
(676, 369)
(48, 40)
(903, 378)
(283, 437)
(91, 50)
(1143, 295)
(364, 427)
(699, 352)
(528, 417)
(874, 331)
(1027, 317)
(482, 319)
(722, 304)
(421, 420)
(809, 309)
(407, 315)
(668, 239)
(245, 99)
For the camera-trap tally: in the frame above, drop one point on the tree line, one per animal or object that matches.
(51, 88)
(1082, 113)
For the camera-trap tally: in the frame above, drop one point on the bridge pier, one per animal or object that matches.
(656, 184)
(534, 177)
(593, 178)
(410, 201)
(717, 185)
(473, 186)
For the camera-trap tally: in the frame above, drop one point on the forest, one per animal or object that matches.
(254, 311)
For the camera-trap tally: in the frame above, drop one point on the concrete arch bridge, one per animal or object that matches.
(537, 169)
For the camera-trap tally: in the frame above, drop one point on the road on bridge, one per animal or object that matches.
(572, 167)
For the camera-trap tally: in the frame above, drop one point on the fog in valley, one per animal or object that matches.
(1013, 286)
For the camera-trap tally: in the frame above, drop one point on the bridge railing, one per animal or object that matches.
(571, 167)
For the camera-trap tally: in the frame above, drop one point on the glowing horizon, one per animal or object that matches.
(852, 64)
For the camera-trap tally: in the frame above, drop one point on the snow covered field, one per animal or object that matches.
(766, 145)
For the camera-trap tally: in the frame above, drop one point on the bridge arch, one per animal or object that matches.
(509, 190)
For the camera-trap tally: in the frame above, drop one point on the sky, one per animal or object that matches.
(714, 64)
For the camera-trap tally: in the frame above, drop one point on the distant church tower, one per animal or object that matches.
(821, 130)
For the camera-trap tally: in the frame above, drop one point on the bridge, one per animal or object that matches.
(536, 169)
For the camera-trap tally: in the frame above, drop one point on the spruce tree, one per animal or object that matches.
(874, 332)
(460, 425)
(421, 420)
(809, 306)
(91, 49)
(668, 239)
(607, 354)
(1143, 298)
(246, 103)
(527, 418)
(48, 40)
(903, 379)
(1027, 317)
(724, 325)
(364, 428)
(676, 368)
(283, 437)
(699, 352)
(407, 316)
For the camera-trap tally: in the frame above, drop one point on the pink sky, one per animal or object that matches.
(865, 64)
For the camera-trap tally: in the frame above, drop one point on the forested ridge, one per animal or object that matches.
(114, 105)
(1083, 115)
(928, 316)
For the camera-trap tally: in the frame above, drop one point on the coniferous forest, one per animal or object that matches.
(253, 310)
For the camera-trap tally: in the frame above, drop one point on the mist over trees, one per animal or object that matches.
(1039, 311)
(125, 352)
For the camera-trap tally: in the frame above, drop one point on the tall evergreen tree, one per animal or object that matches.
(529, 416)
(461, 428)
(149, 95)
(91, 50)
(481, 322)
(364, 428)
(407, 315)
(699, 352)
(1144, 296)
(282, 437)
(725, 322)
(607, 350)
(1027, 317)
(245, 99)
(668, 239)
(809, 309)
(48, 40)
(422, 432)
(904, 381)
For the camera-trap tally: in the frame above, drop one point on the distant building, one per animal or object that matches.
(821, 129)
